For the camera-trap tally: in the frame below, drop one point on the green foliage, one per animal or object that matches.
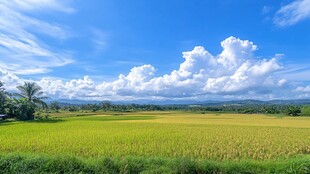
(292, 110)
(20, 109)
(71, 108)
(24, 107)
(305, 110)
(18, 163)
(55, 106)
(106, 106)
(248, 111)
(88, 107)
(271, 109)
(33, 93)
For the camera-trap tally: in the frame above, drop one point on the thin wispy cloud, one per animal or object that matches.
(296, 72)
(266, 10)
(21, 50)
(99, 39)
(40, 5)
(292, 13)
(132, 63)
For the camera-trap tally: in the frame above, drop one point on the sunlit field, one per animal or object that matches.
(217, 137)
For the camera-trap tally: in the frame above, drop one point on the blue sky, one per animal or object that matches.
(157, 50)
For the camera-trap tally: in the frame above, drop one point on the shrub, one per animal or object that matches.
(293, 111)
(305, 110)
(20, 109)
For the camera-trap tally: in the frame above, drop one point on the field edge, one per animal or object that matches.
(43, 163)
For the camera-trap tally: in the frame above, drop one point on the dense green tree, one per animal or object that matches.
(305, 110)
(20, 109)
(55, 106)
(292, 110)
(270, 110)
(32, 93)
(71, 108)
(106, 105)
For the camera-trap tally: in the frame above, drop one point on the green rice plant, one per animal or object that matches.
(225, 137)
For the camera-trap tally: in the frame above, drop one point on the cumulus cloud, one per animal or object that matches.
(292, 13)
(235, 72)
(10, 80)
(76, 88)
(21, 50)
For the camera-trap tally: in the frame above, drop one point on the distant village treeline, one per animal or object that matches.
(291, 110)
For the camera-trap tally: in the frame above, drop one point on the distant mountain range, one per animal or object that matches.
(191, 102)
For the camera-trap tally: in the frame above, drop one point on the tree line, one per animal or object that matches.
(24, 104)
(291, 110)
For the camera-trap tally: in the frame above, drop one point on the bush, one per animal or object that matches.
(305, 110)
(25, 110)
(293, 111)
(20, 109)
(270, 110)
(247, 111)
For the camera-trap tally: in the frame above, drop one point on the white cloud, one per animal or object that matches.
(10, 80)
(266, 10)
(76, 88)
(39, 5)
(234, 73)
(296, 72)
(248, 75)
(235, 51)
(21, 50)
(292, 13)
(303, 89)
(99, 39)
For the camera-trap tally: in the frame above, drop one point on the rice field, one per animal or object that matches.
(161, 134)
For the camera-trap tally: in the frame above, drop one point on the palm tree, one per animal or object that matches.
(33, 93)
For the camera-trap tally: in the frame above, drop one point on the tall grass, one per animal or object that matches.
(25, 163)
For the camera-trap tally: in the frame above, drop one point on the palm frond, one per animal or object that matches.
(35, 90)
(18, 95)
(31, 91)
(39, 93)
(40, 102)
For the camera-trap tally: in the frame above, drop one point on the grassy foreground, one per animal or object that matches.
(156, 142)
(16, 163)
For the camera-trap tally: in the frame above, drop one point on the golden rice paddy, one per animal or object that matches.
(161, 134)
